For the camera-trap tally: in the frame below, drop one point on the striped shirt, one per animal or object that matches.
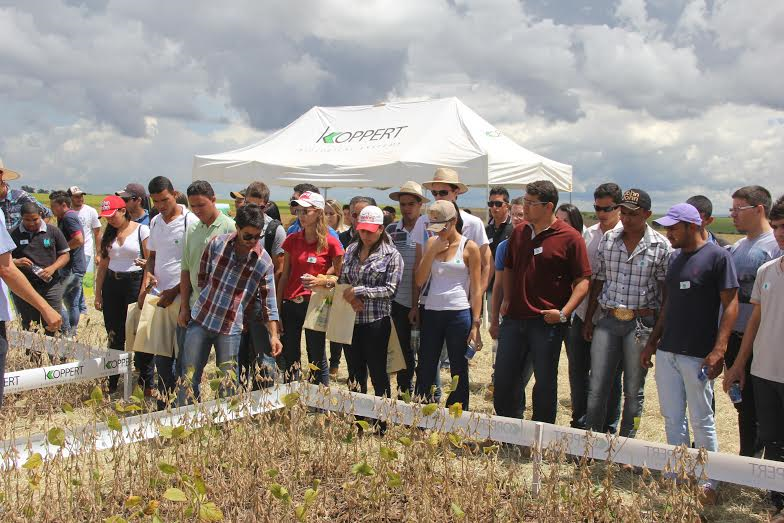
(631, 281)
(375, 280)
(405, 245)
(229, 284)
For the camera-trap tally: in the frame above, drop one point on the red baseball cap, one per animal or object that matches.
(110, 204)
(370, 219)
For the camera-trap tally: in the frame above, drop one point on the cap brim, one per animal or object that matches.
(303, 203)
(437, 227)
(370, 227)
(236, 195)
(666, 221)
(631, 206)
(108, 214)
(396, 196)
(9, 175)
(123, 194)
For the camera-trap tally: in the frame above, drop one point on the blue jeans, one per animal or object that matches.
(82, 302)
(72, 292)
(679, 387)
(618, 344)
(438, 327)
(517, 339)
(196, 351)
(578, 352)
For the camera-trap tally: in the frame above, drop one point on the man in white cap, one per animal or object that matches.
(445, 185)
(91, 230)
(11, 200)
(410, 199)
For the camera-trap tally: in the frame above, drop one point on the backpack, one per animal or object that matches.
(269, 235)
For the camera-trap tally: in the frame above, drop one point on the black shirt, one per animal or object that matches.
(42, 247)
(496, 235)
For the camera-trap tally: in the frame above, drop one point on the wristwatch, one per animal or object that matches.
(563, 317)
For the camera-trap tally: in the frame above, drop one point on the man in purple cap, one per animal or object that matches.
(691, 333)
(628, 287)
(135, 198)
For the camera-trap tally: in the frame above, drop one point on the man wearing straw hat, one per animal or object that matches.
(11, 200)
(410, 199)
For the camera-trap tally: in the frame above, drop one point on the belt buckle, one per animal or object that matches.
(298, 299)
(623, 314)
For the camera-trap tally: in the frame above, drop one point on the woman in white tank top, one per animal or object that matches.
(451, 270)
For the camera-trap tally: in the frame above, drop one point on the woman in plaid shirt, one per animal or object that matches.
(373, 268)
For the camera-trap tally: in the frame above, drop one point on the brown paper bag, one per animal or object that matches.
(395, 360)
(340, 326)
(317, 316)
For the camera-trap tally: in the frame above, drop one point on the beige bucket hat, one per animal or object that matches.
(7, 174)
(412, 188)
(446, 175)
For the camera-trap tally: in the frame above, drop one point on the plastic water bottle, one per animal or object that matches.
(39, 271)
(470, 350)
(734, 392)
(415, 340)
(703, 374)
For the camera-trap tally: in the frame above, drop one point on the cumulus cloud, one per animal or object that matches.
(681, 95)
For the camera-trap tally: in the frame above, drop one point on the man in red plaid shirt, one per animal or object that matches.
(235, 271)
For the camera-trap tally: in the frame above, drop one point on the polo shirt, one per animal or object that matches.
(545, 265)
(297, 226)
(6, 245)
(166, 240)
(694, 283)
(196, 239)
(304, 259)
(144, 219)
(70, 225)
(42, 247)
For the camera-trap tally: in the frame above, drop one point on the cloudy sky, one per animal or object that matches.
(674, 96)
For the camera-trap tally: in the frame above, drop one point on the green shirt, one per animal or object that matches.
(197, 237)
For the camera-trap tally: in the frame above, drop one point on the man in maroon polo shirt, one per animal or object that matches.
(545, 279)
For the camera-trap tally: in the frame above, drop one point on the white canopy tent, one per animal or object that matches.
(381, 146)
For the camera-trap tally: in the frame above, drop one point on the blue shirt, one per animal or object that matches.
(6, 245)
(70, 225)
(296, 227)
(500, 255)
(694, 283)
(144, 220)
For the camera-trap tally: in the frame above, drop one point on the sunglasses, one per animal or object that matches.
(251, 237)
(442, 192)
(609, 208)
(496, 203)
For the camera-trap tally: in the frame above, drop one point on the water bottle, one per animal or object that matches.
(470, 350)
(703, 374)
(415, 340)
(734, 392)
(39, 271)
(154, 292)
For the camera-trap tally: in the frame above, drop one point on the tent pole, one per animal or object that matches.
(325, 192)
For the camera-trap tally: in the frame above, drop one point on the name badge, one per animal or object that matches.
(766, 286)
(311, 259)
(24, 242)
(538, 250)
(685, 285)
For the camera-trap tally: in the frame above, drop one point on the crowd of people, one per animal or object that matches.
(620, 295)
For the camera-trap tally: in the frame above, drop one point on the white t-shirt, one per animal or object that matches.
(768, 291)
(473, 229)
(121, 257)
(166, 239)
(89, 219)
(6, 245)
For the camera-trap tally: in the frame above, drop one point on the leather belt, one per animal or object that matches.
(124, 275)
(630, 314)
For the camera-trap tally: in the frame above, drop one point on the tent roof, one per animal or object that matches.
(381, 146)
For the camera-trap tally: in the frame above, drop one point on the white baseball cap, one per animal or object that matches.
(74, 190)
(310, 199)
(370, 219)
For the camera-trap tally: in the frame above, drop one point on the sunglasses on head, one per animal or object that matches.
(250, 237)
(442, 192)
(496, 203)
(609, 208)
